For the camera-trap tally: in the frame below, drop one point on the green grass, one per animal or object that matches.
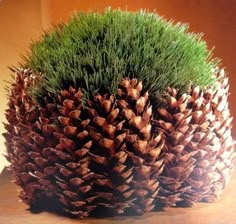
(95, 51)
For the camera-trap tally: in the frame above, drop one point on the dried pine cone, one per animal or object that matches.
(125, 150)
(199, 149)
(24, 143)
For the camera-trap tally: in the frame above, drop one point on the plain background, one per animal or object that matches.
(23, 20)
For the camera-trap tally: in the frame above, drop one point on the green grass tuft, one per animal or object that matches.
(95, 51)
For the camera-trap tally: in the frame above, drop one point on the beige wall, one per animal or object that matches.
(21, 20)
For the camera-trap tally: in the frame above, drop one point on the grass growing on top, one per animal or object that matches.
(95, 51)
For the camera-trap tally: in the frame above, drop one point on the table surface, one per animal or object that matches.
(222, 212)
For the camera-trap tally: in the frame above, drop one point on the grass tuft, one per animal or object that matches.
(95, 51)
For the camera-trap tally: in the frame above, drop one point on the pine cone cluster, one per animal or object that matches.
(104, 156)
(113, 153)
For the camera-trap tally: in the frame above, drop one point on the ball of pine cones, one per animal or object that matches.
(119, 113)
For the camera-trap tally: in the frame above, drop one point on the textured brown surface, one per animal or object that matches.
(222, 212)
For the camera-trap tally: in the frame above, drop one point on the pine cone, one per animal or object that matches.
(216, 169)
(125, 151)
(174, 122)
(197, 127)
(69, 150)
(23, 142)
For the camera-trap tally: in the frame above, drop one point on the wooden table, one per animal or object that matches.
(223, 212)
